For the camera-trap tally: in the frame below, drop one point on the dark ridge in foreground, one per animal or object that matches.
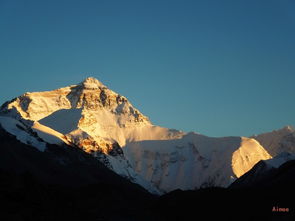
(245, 204)
(64, 183)
(254, 196)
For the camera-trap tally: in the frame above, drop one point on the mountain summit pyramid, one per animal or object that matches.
(92, 83)
(90, 94)
(105, 124)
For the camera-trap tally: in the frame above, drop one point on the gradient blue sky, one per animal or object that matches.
(223, 67)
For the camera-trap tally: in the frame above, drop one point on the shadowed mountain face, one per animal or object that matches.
(63, 121)
(185, 163)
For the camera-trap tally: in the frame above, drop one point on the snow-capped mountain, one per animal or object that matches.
(101, 122)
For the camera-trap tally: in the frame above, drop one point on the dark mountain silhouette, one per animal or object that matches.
(64, 183)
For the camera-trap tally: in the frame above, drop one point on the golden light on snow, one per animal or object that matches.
(250, 153)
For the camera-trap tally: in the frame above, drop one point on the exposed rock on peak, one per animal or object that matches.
(92, 83)
(89, 95)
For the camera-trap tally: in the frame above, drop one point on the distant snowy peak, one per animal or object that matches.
(86, 108)
(278, 141)
(89, 95)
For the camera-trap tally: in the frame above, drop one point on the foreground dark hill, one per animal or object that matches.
(257, 195)
(245, 204)
(63, 183)
(262, 176)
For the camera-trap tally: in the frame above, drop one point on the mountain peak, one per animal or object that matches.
(89, 105)
(91, 83)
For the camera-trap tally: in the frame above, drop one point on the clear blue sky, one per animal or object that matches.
(223, 67)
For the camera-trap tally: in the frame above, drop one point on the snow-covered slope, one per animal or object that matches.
(278, 141)
(280, 159)
(194, 161)
(105, 124)
(22, 132)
